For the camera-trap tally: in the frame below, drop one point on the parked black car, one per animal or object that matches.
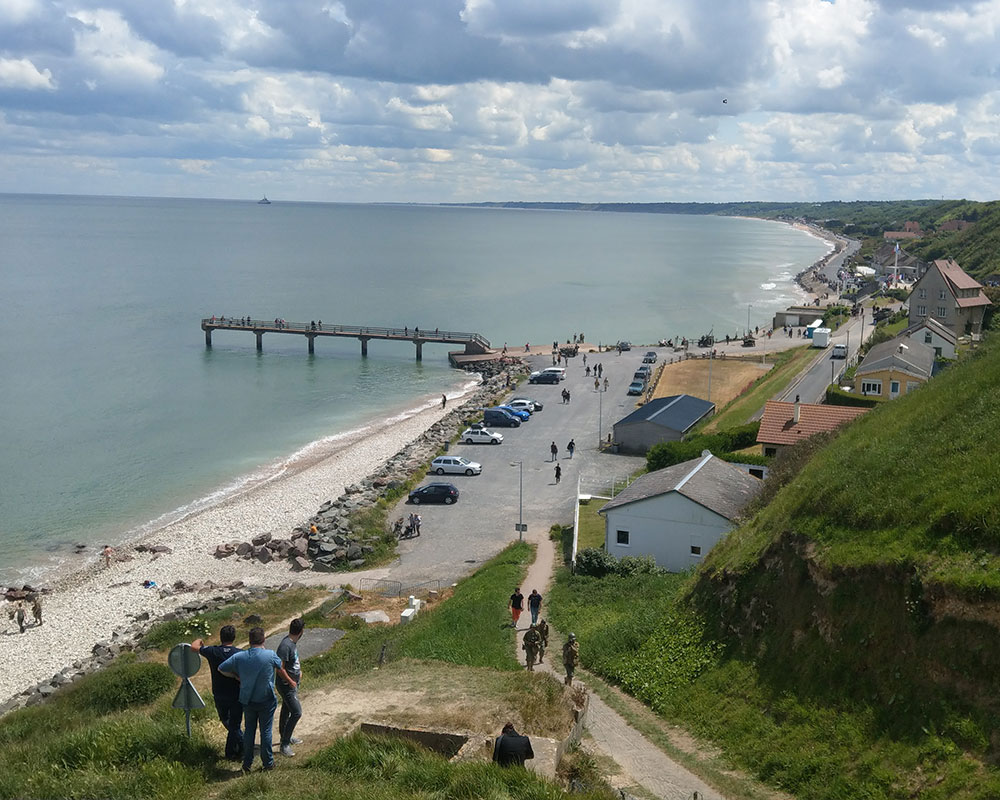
(545, 377)
(446, 493)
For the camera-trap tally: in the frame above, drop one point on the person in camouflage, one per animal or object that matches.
(571, 657)
(532, 639)
(543, 632)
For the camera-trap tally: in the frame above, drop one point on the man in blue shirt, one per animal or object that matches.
(254, 669)
(225, 691)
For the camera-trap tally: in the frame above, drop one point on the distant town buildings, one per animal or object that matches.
(911, 230)
(951, 296)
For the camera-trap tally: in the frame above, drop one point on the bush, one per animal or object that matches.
(595, 562)
(637, 565)
(835, 396)
(666, 454)
(123, 685)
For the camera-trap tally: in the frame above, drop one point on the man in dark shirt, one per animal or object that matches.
(511, 748)
(516, 606)
(226, 691)
(291, 708)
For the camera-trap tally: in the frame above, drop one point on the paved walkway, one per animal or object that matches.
(641, 761)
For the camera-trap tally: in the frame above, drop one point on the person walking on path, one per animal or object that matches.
(291, 707)
(511, 749)
(554, 450)
(571, 447)
(584, 359)
(534, 605)
(226, 691)
(530, 644)
(600, 370)
(597, 384)
(254, 669)
(571, 657)
(36, 609)
(543, 631)
(605, 384)
(558, 473)
(516, 606)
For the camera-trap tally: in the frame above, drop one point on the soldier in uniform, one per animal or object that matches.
(36, 609)
(543, 630)
(532, 639)
(571, 657)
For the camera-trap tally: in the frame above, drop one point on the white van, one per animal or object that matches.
(839, 351)
(560, 371)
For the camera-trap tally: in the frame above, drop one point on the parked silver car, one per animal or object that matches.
(455, 465)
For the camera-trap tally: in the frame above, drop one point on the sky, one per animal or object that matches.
(491, 100)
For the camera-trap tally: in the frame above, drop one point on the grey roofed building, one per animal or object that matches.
(707, 480)
(902, 354)
(665, 419)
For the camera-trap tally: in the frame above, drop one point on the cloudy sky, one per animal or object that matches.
(465, 100)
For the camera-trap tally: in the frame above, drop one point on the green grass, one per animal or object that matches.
(787, 365)
(277, 607)
(912, 482)
(820, 744)
(470, 628)
(591, 525)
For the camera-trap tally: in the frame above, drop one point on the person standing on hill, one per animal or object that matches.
(571, 657)
(516, 606)
(254, 669)
(534, 605)
(291, 708)
(225, 691)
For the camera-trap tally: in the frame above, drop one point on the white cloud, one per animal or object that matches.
(106, 43)
(22, 74)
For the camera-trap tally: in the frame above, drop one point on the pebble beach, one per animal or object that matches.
(89, 605)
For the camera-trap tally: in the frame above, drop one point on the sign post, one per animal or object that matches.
(185, 663)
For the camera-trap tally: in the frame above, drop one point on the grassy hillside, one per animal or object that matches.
(912, 483)
(976, 249)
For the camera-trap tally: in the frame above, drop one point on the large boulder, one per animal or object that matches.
(260, 539)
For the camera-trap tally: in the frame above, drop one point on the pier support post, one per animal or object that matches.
(312, 343)
(208, 337)
(420, 350)
(260, 340)
(364, 346)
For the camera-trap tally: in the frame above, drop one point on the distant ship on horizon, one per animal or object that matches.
(264, 201)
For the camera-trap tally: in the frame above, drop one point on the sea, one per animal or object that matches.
(115, 418)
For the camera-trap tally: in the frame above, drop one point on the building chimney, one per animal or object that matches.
(798, 411)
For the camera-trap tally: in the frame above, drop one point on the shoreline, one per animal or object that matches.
(90, 604)
(55, 567)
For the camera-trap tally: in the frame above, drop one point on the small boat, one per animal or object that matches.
(264, 201)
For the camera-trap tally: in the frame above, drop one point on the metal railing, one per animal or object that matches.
(280, 326)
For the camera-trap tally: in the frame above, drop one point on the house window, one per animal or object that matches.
(942, 312)
(770, 451)
(911, 385)
(696, 549)
(927, 337)
(921, 311)
(757, 472)
(942, 295)
(922, 294)
(871, 387)
(622, 537)
(893, 388)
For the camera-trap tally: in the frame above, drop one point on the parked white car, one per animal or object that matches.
(481, 436)
(455, 465)
(532, 402)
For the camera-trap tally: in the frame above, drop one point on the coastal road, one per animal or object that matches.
(456, 539)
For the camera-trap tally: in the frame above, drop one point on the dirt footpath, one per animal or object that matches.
(729, 378)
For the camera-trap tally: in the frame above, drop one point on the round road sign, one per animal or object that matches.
(184, 661)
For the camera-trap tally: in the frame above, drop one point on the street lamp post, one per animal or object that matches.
(748, 318)
(600, 419)
(520, 498)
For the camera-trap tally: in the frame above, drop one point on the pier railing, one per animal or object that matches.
(474, 343)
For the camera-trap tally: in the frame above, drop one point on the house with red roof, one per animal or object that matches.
(785, 424)
(951, 296)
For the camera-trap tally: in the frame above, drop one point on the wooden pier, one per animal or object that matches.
(474, 344)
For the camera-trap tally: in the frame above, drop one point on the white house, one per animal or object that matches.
(932, 333)
(677, 514)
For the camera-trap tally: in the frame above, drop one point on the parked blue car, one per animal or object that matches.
(521, 413)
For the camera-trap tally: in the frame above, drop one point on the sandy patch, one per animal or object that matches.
(730, 377)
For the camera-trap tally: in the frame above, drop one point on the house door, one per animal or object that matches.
(893, 388)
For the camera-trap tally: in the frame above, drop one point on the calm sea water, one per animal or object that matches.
(113, 414)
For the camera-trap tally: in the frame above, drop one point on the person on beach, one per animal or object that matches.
(558, 474)
(511, 749)
(225, 690)
(291, 707)
(534, 605)
(571, 447)
(571, 657)
(516, 606)
(530, 644)
(554, 450)
(36, 609)
(19, 615)
(254, 669)
(107, 552)
(444, 400)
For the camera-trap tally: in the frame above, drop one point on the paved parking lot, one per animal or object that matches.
(454, 539)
